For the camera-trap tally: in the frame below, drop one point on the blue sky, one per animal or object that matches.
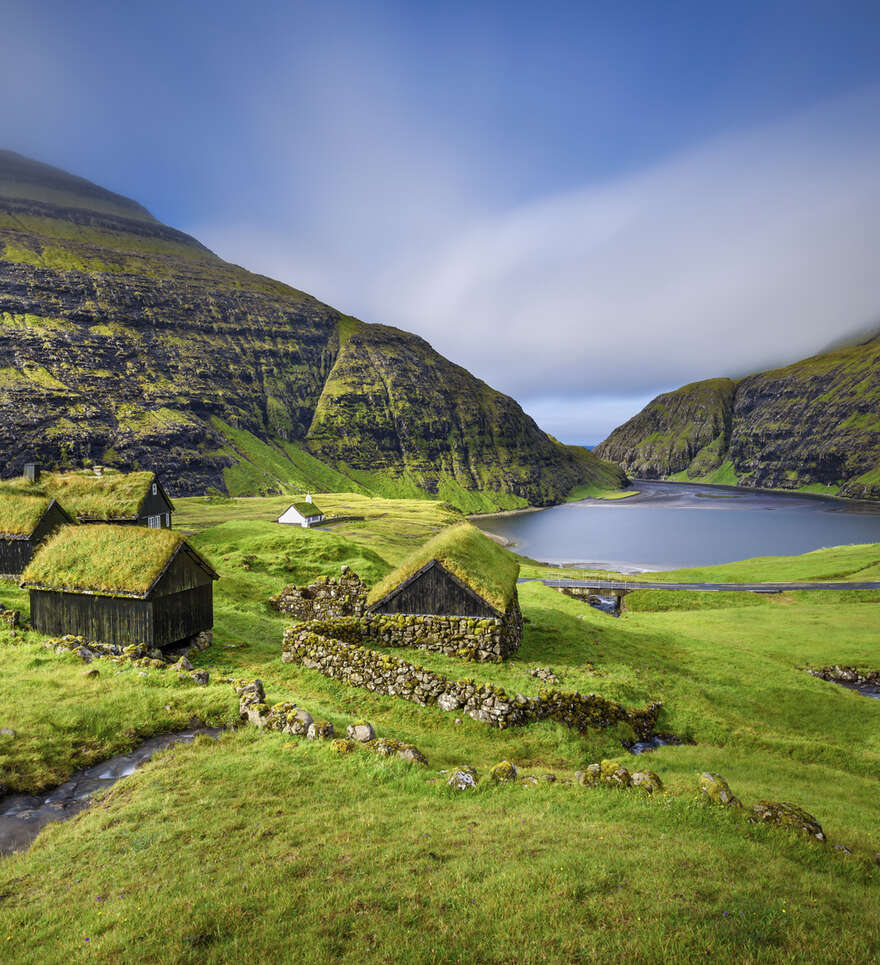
(583, 203)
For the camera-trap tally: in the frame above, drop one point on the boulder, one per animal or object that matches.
(614, 774)
(463, 778)
(201, 677)
(298, 723)
(385, 746)
(320, 730)
(7, 732)
(91, 672)
(717, 790)
(503, 772)
(412, 755)
(85, 654)
(256, 714)
(590, 777)
(788, 816)
(183, 666)
(362, 732)
(647, 780)
(250, 691)
(343, 745)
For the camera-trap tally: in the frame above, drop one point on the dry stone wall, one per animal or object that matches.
(325, 599)
(340, 657)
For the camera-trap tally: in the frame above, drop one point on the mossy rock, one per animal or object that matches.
(786, 815)
(320, 730)
(614, 774)
(717, 790)
(463, 778)
(503, 772)
(647, 780)
(590, 777)
(342, 745)
(412, 755)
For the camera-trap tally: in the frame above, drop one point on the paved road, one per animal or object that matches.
(628, 585)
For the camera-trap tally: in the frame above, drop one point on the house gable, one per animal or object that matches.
(435, 590)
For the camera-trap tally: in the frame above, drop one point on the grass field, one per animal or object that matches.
(264, 848)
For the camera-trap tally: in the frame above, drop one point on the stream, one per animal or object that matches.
(23, 816)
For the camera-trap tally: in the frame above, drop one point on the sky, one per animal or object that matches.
(583, 203)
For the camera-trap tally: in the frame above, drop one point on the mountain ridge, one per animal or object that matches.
(813, 425)
(126, 342)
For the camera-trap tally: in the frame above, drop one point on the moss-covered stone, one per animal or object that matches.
(789, 816)
(463, 778)
(503, 772)
(717, 790)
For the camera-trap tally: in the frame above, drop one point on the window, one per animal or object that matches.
(155, 489)
(154, 522)
(168, 520)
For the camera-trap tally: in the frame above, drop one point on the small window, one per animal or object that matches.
(155, 489)
(168, 521)
(154, 522)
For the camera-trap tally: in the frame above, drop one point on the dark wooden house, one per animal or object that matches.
(460, 572)
(108, 496)
(124, 586)
(25, 521)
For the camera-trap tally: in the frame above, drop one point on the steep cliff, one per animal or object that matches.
(126, 342)
(813, 425)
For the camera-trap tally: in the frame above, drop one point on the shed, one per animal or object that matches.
(301, 513)
(109, 496)
(26, 519)
(460, 572)
(128, 585)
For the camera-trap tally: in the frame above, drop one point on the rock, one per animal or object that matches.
(448, 702)
(412, 755)
(320, 730)
(529, 781)
(298, 723)
(590, 777)
(647, 780)
(503, 772)
(614, 774)
(549, 778)
(85, 654)
(463, 778)
(250, 691)
(7, 732)
(343, 745)
(256, 714)
(361, 731)
(717, 790)
(842, 848)
(788, 816)
(91, 672)
(182, 666)
(201, 677)
(385, 746)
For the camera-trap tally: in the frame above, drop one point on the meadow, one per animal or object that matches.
(267, 848)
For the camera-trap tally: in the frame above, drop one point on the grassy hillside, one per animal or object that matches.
(127, 343)
(812, 426)
(233, 841)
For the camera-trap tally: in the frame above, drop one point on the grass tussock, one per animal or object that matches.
(103, 558)
(475, 559)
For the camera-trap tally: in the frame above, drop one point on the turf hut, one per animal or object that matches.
(302, 513)
(108, 496)
(460, 573)
(26, 519)
(120, 585)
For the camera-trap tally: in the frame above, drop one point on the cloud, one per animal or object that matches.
(752, 250)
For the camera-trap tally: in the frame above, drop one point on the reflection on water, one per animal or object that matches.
(671, 525)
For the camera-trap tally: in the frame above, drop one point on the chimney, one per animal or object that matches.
(31, 472)
(308, 497)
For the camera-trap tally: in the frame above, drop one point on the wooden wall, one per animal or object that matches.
(435, 591)
(15, 554)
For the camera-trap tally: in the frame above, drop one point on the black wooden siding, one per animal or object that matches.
(434, 590)
(156, 505)
(180, 605)
(15, 554)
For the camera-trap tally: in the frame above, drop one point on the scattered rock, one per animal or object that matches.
(7, 732)
(201, 677)
(590, 777)
(182, 666)
(361, 731)
(543, 673)
(647, 780)
(320, 730)
(85, 654)
(342, 745)
(91, 672)
(842, 848)
(717, 790)
(614, 774)
(298, 723)
(529, 781)
(463, 778)
(549, 778)
(503, 772)
(786, 815)
(255, 714)
(412, 755)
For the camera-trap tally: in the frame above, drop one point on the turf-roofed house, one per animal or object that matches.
(26, 519)
(109, 496)
(118, 585)
(303, 513)
(460, 573)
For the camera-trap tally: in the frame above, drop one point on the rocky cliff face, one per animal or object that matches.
(128, 343)
(812, 425)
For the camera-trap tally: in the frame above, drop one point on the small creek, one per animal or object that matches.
(23, 816)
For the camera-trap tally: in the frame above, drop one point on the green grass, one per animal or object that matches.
(597, 492)
(476, 560)
(103, 557)
(268, 848)
(114, 495)
(20, 508)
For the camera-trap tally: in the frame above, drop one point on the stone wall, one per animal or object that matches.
(325, 599)
(340, 658)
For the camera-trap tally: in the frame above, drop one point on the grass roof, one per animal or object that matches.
(307, 509)
(103, 559)
(21, 507)
(115, 495)
(479, 562)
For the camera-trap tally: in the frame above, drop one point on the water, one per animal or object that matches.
(23, 816)
(673, 525)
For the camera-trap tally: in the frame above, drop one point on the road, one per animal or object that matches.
(629, 585)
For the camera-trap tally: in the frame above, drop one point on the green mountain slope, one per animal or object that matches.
(812, 425)
(128, 343)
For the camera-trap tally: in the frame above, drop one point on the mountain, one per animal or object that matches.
(128, 343)
(810, 426)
